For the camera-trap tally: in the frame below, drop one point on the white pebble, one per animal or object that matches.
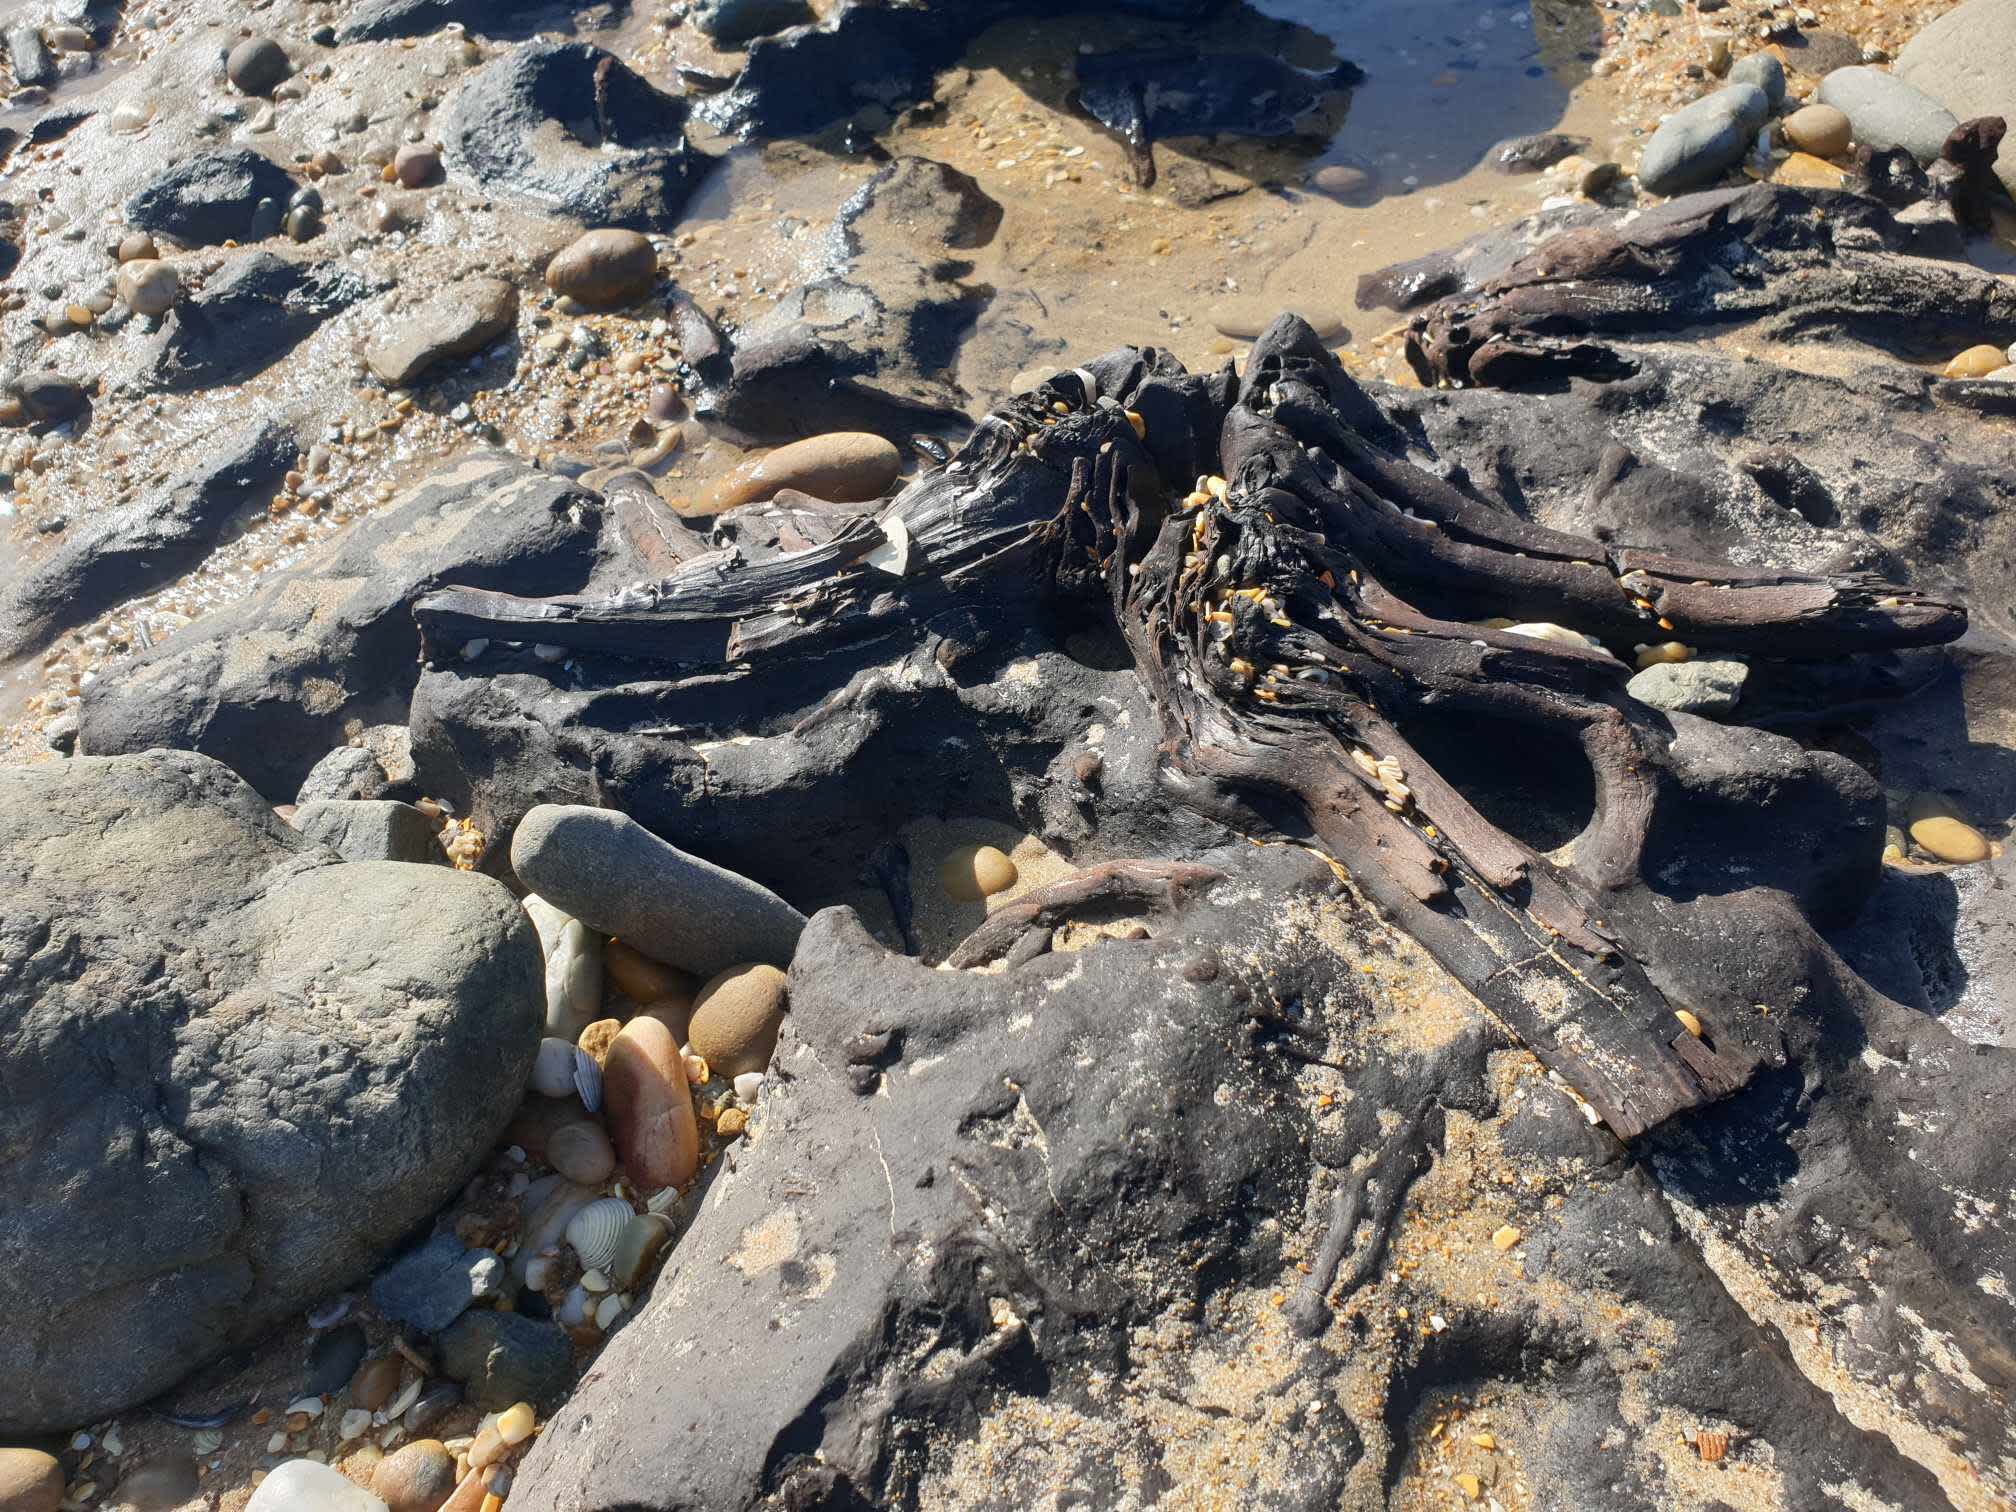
(610, 1310)
(354, 1423)
(747, 1085)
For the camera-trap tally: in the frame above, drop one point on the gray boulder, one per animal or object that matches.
(614, 875)
(209, 197)
(1698, 143)
(377, 763)
(1966, 60)
(269, 684)
(518, 128)
(236, 1072)
(1887, 112)
(252, 313)
(1706, 688)
(366, 829)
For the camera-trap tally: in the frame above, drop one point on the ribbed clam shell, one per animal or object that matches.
(588, 1080)
(596, 1230)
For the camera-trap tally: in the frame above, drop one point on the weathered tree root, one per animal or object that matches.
(1385, 1177)
(1270, 611)
(1789, 264)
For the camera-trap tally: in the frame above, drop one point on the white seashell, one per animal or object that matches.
(277, 1444)
(330, 1313)
(595, 1230)
(209, 1441)
(353, 1424)
(574, 1311)
(306, 1406)
(396, 1408)
(663, 1200)
(893, 555)
(747, 1085)
(553, 1070)
(1559, 634)
(594, 1281)
(538, 1272)
(610, 1309)
(588, 1080)
(111, 1443)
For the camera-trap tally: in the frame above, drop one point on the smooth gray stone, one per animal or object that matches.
(612, 874)
(503, 1358)
(1697, 144)
(369, 829)
(1706, 688)
(32, 63)
(1966, 60)
(430, 1287)
(1766, 72)
(1887, 112)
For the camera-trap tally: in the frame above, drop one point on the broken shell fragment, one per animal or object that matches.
(1711, 1443)
(1688, 1022)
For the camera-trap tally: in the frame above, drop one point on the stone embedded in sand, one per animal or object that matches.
(841, 467)
(303, 1485)
(1976, 362)
(148, 286)
(581, 1152)
(612, 874)
(30, 1481)
(650, 1107)
(736, 1018)
(974, 872)
(1819, 129)
(416, 163)
(165, 1480)
(257, 65)
(1802, 170)
(417, 1478)
(605, 267)
(1950, 839)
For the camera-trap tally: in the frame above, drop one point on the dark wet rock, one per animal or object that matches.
(568, 127)
(365, 829)
(333, 1357)
(501, 1358)
(1966, 60)
(1468, 265)
(188, 1037)
(734, 22)
(1143, 97)
(1698, 143)
(249, 315)
(456, 321)
(31, 60)
(1887, 112)
(51, 398)
(113, 556)
(209, 197)
(1964, 177)
(268, 684)
(871, 343)
(431, 1286)
(1530, 154)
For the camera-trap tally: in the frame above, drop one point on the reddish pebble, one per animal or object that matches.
(650, 1108)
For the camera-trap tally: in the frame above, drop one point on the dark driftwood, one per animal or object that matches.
(1118, 888)
(1273, 620)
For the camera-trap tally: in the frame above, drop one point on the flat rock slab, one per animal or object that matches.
(463, 318)
(614, 875)
(209, 197)
(236, 1072)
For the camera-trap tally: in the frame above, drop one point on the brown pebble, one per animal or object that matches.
(598, 1037)
(417, 1478)
(1087, 766)
(642, 980)
(604, 267)
(1343, 181)
(736, 1017)
(416, 163)
(841, 467)
(1976, 362)
(375, 1382)
(30, 1481)
(649, 1105)
(1203, 968)
(664, 403)
(165, 1480)
(973, 872)
(1950, 839)
(135, 245)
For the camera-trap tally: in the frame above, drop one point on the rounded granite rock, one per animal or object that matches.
(604, 267)
(30, 1481)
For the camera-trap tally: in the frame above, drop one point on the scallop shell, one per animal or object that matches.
(588, 1080)
(553, 1070)
(595, 1230)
